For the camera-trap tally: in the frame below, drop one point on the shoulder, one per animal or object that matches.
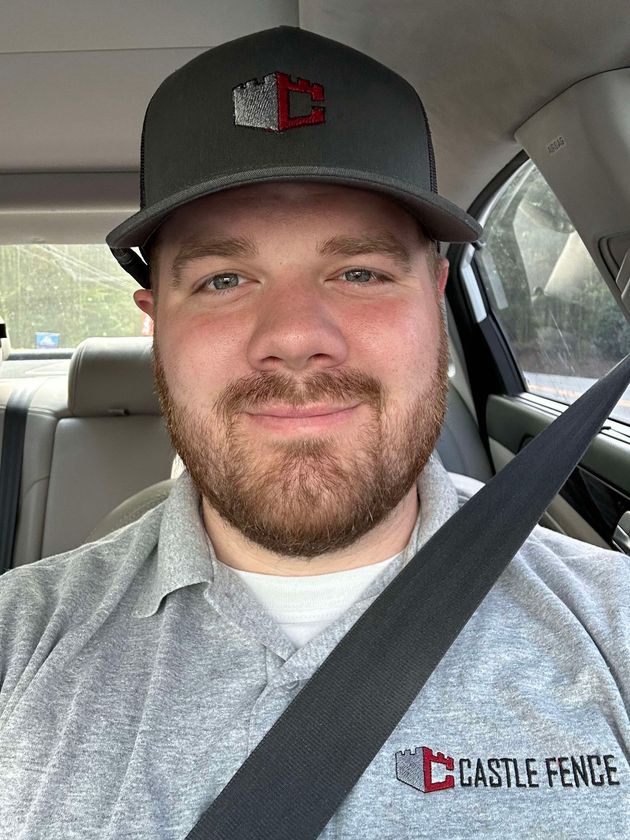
(44, 599)
(566, 583)
(569, 564)
(85, 569)
(570, 568)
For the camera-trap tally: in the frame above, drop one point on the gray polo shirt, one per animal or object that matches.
(137, 673)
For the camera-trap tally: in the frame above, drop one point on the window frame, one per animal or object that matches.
(484, 338)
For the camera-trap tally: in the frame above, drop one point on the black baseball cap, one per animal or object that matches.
(284, 104)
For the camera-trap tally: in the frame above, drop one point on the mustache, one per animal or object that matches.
(259, 389)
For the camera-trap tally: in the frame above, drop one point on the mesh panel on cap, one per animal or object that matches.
(432, 167)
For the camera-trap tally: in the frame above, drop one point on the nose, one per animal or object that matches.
(296, 329)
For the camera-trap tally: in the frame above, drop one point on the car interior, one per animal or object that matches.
(529, 110)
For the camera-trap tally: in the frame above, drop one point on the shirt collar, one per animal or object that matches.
(184, 557)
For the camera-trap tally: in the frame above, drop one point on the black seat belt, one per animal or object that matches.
(296, 778)
(13, 432)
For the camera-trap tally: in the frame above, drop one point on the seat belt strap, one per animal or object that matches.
(13, 432)
(298, 775)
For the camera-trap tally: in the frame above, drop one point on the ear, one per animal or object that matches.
(145, 301)
(442, 275)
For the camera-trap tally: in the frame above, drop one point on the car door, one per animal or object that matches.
(539, 324)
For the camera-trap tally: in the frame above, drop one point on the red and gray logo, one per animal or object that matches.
(416, 770)
(274, 103)
(427, 771)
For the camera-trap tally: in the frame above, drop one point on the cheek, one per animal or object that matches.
(201, 356)
(399, 344)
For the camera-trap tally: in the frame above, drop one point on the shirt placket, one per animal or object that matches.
(282, 686)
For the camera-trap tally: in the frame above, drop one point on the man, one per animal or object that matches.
(289, 213)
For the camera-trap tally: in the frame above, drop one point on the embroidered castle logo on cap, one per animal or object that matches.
(267, 104)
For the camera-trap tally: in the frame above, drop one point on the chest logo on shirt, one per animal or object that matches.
(428, 771)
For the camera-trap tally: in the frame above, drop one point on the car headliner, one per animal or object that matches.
(77, 76)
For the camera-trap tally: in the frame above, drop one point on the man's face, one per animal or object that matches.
(300, 358)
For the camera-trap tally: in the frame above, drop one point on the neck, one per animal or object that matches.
(386, 539)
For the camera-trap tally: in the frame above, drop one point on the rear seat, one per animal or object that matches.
(90, 443)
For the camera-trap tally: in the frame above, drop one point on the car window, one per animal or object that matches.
(561, 319)
(54, 296)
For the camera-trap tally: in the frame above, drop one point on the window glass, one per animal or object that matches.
(54, 296)
(561, 319)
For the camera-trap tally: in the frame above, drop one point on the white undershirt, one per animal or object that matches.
(304, 606)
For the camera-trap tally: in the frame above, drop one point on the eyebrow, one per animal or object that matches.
(355, 246)
(195, 249)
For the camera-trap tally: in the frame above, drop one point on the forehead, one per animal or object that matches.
(304, 205)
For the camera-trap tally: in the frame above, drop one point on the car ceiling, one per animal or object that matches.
(77, 75)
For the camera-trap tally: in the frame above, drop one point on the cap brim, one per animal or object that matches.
(442, 220)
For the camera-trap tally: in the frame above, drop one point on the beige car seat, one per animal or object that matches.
(90, 442)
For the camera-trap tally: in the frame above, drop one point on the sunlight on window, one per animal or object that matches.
(54, 296)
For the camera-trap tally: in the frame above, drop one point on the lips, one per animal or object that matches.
(299, 412)
(310, 419)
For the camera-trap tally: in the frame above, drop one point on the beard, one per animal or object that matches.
(308, 496)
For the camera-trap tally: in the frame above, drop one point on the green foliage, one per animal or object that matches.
(610, 332)
(74, 290)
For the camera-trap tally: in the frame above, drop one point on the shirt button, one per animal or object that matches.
(292, 685)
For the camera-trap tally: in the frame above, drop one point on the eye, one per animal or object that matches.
(223, 282)
(362, 276)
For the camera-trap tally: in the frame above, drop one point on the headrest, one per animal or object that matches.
(112, 376)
